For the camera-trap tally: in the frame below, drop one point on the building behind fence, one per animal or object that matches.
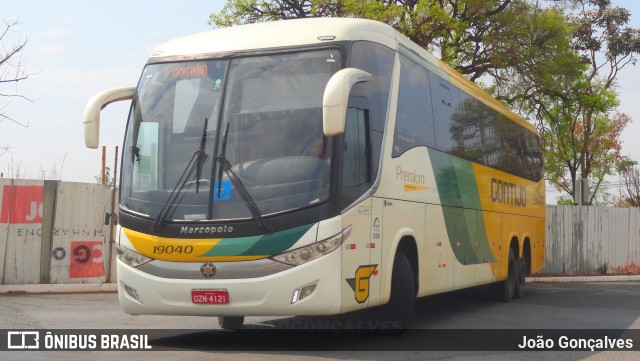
(59, 232)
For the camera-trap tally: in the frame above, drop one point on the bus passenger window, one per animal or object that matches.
(414, 118)
(445, 103)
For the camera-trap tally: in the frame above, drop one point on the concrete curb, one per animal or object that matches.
(630, 278)
(59, 288)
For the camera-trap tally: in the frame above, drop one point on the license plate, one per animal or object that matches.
(210, 297)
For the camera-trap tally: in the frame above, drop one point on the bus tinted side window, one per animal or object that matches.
(414, 117)
(492, 140)
(534, 156)
(432, 112)
(465, 130)
(512, 151)
(445, 104)
(378, 61)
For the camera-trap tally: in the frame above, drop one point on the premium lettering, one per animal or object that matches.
(411, 177)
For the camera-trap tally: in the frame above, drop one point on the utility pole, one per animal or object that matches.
(581, 194)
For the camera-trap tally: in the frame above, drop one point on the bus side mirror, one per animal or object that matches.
(91, 117)
(336, 97)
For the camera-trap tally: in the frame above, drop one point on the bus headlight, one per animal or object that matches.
(310, 252)
(130, 257)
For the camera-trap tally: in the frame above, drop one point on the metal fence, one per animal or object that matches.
(592, 240)
(59, 232)
(54, 232)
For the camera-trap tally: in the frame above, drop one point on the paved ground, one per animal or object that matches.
(547, 306)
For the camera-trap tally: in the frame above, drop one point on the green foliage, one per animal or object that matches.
(565, 201)
(630, 195)
(236, 12)
(476, 37)
(109, 181)
(581, 128)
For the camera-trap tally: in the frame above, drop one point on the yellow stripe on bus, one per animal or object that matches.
(412, 187)
(173, 249)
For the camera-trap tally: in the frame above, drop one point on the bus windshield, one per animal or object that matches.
(201, 133)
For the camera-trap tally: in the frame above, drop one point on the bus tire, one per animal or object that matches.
(521, 274)
(504, 290)
(231, 322)
(403, 295)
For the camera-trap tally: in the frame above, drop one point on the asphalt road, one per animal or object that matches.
(450, 321)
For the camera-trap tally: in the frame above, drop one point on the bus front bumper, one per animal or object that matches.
(272, 295)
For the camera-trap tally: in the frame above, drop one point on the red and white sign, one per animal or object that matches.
(22, 204)
(86, 259)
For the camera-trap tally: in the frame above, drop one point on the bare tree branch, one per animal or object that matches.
(12, 71)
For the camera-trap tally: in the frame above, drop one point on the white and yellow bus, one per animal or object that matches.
(317, 167)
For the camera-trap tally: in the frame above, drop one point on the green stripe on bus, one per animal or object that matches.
(268, 244)
(458, 191)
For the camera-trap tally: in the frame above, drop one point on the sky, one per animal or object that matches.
(76, 49)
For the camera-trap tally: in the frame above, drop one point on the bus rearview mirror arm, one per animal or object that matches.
(336, 97)
(91, 116)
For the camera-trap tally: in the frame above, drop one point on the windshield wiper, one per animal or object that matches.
(136, 153)
(196, 162)
(237, 183)
(202, 156)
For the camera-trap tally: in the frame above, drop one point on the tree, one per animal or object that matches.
(476, 37)
(630, 187)
(12, 71)
(582, 129)
(237, 12)
(565, 149)
(109, 181)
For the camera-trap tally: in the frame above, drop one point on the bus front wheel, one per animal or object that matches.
(403, 294)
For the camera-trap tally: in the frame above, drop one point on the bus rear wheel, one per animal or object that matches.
(521, 275)
(504, 290)
(231, 322)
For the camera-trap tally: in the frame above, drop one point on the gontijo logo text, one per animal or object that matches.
(508, 193)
